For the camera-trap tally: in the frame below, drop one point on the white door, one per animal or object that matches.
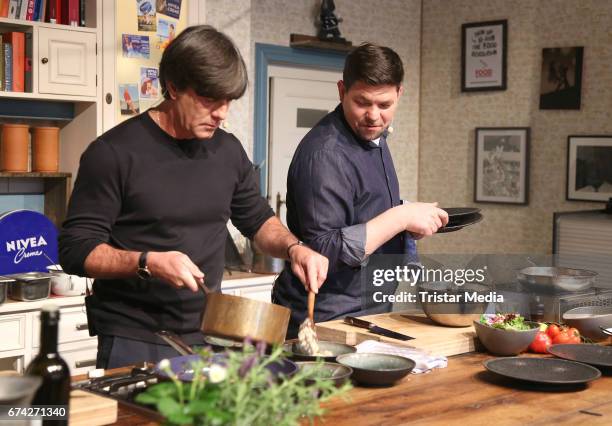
(66, 62)
(299, 98)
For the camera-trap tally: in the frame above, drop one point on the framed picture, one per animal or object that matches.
(561, 80)
(589, 168)
(501, 172)
(483, 56)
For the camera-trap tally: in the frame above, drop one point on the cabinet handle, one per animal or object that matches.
(85, 363)
(81, 327)
(109, 98)
(44, 60)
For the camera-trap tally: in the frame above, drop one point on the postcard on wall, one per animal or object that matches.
(170, 8)
(128, 99)
(135, 46)
(483, 56)
(166, 32)
(149, 83)
(145, 10)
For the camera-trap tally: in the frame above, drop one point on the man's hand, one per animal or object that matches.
(175, 268)
(424, 219)
(309, 266)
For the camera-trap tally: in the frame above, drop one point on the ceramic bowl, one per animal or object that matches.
(337, 372)
(505, 342)
(377, 369)
(293, 351)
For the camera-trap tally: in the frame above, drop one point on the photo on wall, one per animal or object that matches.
(561, 79)
(128, 99)
(135, 46)
(149, 83)
(501, 173)
(166, 32)
(589, 168)
(145, 10)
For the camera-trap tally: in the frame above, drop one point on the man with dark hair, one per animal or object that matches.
(342, 191)
(148, 214)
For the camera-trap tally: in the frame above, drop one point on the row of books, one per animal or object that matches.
(16, 62)
(67, 12)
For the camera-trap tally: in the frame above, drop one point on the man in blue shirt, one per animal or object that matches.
(342, 190)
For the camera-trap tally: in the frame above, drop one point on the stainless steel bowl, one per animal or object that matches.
(460, 314)
(547, 278)
(589, 320)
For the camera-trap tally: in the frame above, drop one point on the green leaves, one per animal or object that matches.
(248, 393)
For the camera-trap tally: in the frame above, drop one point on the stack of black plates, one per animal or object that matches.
(460, 217)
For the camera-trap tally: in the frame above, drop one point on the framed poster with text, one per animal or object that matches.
(483, 56)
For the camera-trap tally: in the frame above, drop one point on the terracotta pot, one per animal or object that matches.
(45, 149)
(15, 138)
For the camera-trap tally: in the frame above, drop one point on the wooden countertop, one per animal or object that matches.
(463, 393)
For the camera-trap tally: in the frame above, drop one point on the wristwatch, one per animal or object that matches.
(143, 271)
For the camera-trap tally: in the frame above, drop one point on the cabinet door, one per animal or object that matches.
(66, 62)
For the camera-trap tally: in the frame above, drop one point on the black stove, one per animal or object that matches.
(124, 387)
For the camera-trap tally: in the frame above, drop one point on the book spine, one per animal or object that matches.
(4, 7)
(13, 9)
(23, 11)
(28, 83)
(29, 12)
(1, 64)
(17, 41)
(82, 12)
(8, 66)
(73, 13)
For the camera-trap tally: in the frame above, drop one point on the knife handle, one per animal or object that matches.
(358, 322)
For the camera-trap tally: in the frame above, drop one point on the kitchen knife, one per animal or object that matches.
(376, 329)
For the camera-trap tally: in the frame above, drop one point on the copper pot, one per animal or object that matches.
(237, 318)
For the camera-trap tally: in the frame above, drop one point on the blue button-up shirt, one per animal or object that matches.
(336, 183)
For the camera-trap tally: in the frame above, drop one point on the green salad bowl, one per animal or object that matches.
(506, 342)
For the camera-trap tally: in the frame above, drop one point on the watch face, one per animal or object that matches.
(143, 273)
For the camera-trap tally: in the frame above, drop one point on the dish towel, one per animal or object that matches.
(424, 360)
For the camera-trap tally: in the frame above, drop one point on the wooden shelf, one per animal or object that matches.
(45, 97)
(35, 175)
(19, 23)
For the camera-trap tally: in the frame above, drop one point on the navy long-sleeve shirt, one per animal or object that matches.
(336, 183)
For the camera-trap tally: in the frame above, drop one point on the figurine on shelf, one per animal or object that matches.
(329, 23)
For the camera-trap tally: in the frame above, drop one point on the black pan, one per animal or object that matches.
(550, 371)
(599, 356)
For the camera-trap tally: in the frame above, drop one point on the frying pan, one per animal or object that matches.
(547, 277)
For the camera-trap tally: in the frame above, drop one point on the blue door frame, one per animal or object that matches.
(267, 54)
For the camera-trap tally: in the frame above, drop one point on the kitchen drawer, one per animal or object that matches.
(80, 361)
(72, 326)
(12, 332)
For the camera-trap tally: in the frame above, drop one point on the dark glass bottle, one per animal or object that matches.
(49, 365)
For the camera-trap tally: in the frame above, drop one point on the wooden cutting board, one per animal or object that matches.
(88, 409)
(437, 339)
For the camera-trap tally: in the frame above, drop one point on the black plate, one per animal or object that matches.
(599, 356)
(543, 370)
(457, 225)
(460, 211)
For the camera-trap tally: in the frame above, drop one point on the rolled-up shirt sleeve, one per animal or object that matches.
(323, 194)
(94, 206)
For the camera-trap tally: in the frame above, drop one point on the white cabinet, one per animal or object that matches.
(66, 62)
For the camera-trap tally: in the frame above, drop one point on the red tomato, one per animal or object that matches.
(553, 330)
(541, 343)
(574, 335)
(562, 337)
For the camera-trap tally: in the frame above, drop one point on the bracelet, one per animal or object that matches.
(297, 243)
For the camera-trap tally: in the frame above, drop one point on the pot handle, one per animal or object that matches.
(203, 287)
(176, 342)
